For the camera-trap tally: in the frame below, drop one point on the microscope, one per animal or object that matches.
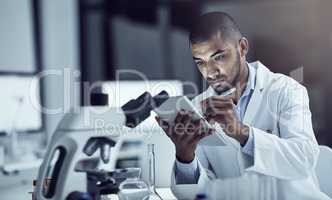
(84, 140)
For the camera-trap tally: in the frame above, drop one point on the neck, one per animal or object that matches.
(243, 80)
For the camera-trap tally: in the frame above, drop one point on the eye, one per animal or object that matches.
(199, 62)
(219, 57)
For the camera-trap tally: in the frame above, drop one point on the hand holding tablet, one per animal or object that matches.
(170, 112)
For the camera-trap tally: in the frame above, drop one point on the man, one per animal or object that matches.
(271, 151)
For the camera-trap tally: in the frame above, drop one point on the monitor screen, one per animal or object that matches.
(20, 103)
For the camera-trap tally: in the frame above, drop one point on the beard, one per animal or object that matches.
(237, 67)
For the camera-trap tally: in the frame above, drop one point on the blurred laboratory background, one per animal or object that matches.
(51, 50)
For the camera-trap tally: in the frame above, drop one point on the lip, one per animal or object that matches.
(217, 81)
(220, 85)
(217, 86)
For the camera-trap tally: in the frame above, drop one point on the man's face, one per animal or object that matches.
(218, 61)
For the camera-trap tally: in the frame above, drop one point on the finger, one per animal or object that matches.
(232, 98)
(201, 127)
(210, 107)
(178, 130)
(220, 119)
(159, 121)
(186, 127)
(191, 126)
(179, 116)
(217, 98)
(214, 103)
(197, 123)
(181, 122)
(211, 120)
(190, 123)
(218, 110)
(165, 126)
(190, 134)
(207, 132)
(198, 136)
(205, 126)
(196, 128)
(217, 113)
(162, 123)
(222, 98)
(203, 104)
(208, 113)
(201, 132)
(186, 118)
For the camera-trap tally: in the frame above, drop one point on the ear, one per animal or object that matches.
(244, 47)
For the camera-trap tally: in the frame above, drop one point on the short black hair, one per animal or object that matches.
(212, 23)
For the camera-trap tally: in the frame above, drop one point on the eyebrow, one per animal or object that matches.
(215, 53)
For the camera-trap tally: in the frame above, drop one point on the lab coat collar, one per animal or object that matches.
(251, 80)
(257, 96)
(260, 75)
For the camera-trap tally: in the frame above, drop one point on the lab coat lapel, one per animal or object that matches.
(257, 96)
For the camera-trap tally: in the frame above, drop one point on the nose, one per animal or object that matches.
(212, 73)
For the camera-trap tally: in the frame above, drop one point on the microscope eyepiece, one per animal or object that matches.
(139, 109)
(159, 99)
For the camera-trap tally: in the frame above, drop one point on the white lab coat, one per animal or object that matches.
(285, 149)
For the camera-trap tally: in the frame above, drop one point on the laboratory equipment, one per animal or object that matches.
(133, 188)
(120, 92)
(21, 108)
(20, 101)
(72, 165)
(153, 194)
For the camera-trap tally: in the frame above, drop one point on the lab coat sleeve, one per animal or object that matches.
(293, 154)
(248, 148)
(186, 173)
(189, 191)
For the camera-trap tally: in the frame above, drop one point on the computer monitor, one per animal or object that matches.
(20, 103)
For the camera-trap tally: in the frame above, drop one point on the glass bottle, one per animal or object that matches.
(153, 195)
(133, 188)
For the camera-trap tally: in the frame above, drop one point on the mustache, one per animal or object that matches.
(217, 79)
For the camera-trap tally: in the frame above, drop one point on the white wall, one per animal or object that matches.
(16, 41)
